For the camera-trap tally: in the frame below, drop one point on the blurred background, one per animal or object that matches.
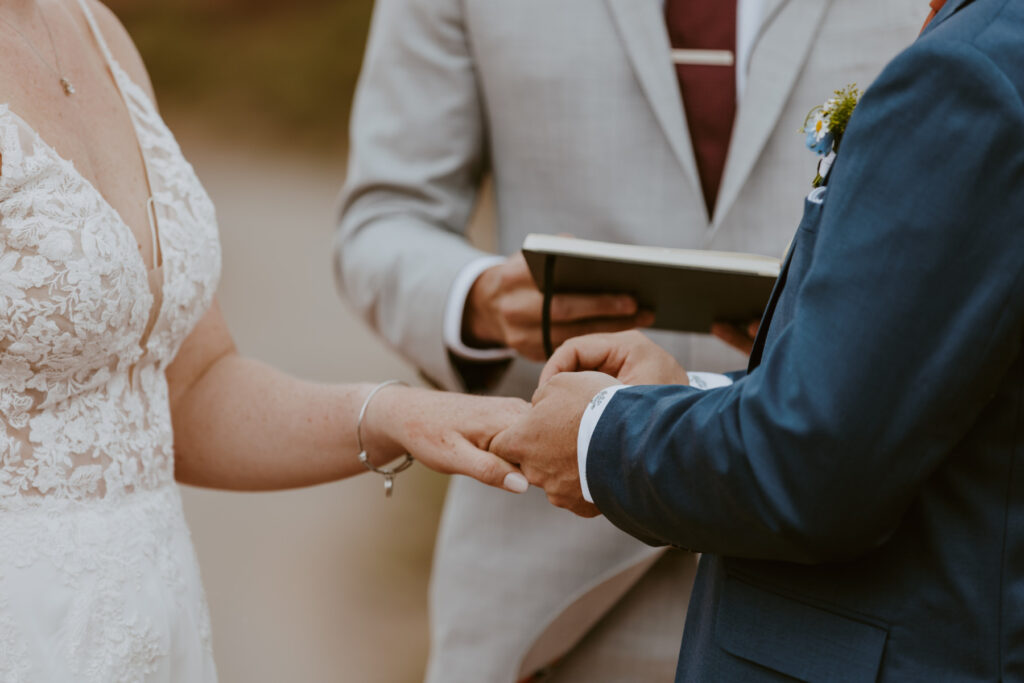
(328, 583)
(256, 71)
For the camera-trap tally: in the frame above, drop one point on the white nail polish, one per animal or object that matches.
(515, 482)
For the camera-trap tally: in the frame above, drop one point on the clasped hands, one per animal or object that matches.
(511, 444)
(542, 441)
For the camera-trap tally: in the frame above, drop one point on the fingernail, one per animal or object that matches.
(516, 483)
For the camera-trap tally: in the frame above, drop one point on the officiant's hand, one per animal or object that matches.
(504, 309)
(739, 337)
(543, 441)
(630, 357)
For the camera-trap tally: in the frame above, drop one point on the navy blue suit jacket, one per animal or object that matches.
(859, 495)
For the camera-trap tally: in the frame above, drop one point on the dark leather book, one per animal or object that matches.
(687, 289)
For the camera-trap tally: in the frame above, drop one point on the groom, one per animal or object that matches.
(859, 493)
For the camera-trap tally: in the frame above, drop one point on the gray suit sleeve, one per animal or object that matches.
(416, 162)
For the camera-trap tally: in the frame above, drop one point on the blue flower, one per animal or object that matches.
(824, 127)
(820, 144)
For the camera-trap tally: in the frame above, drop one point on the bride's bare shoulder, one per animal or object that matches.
(121, 44)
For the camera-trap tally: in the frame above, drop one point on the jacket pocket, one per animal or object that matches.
(814, 205)
(796, 639)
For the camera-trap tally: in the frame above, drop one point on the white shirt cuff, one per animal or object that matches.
(587, 425)
(592, 415)
(456, 306)
(708, 380)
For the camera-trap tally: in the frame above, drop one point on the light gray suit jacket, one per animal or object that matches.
(573, 107)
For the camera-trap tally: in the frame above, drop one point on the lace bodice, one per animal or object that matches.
(83, 398)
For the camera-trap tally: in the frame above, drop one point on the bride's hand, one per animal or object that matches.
(447, 432)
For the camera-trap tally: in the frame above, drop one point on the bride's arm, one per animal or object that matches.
(240, 424)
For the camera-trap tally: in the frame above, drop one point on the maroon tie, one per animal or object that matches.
(709, 92)
(936, 6)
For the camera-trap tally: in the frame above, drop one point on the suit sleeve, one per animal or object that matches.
(904, 325)
(416, 161)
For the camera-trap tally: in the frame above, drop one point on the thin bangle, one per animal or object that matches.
(387, 472)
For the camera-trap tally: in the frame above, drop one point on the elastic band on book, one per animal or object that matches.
(545, 320)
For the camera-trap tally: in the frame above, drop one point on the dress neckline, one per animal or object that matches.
(140, 263)
(155, 277)
(79, 176)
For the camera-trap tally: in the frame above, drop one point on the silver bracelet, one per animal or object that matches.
(388, 472)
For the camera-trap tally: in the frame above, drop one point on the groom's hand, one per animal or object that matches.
(630, 357)
(504, 309)
(543, 441)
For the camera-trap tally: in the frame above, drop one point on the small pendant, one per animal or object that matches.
(66, 84)
(389, 485)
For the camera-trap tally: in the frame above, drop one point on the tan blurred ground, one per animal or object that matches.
(322, 584)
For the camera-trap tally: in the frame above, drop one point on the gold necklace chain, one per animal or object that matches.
(65, 84)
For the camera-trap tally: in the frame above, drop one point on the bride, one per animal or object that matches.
(118, 374)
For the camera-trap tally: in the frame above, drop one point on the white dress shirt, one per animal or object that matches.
(749, 16)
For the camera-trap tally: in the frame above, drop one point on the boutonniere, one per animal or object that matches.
(825, 125)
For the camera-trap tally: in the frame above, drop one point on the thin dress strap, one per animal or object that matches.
(114, 68)
(100, 40)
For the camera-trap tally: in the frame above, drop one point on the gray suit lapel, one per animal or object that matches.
(777, 57)
(641, 25)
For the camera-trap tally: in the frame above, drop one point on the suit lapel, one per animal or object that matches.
(641, 25)
(777, 57)
(948, 10)
(769, 312)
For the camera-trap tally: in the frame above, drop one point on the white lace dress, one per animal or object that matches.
(98, 578)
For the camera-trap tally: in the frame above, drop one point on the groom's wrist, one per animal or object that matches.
(588, 423)
(592, 415)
